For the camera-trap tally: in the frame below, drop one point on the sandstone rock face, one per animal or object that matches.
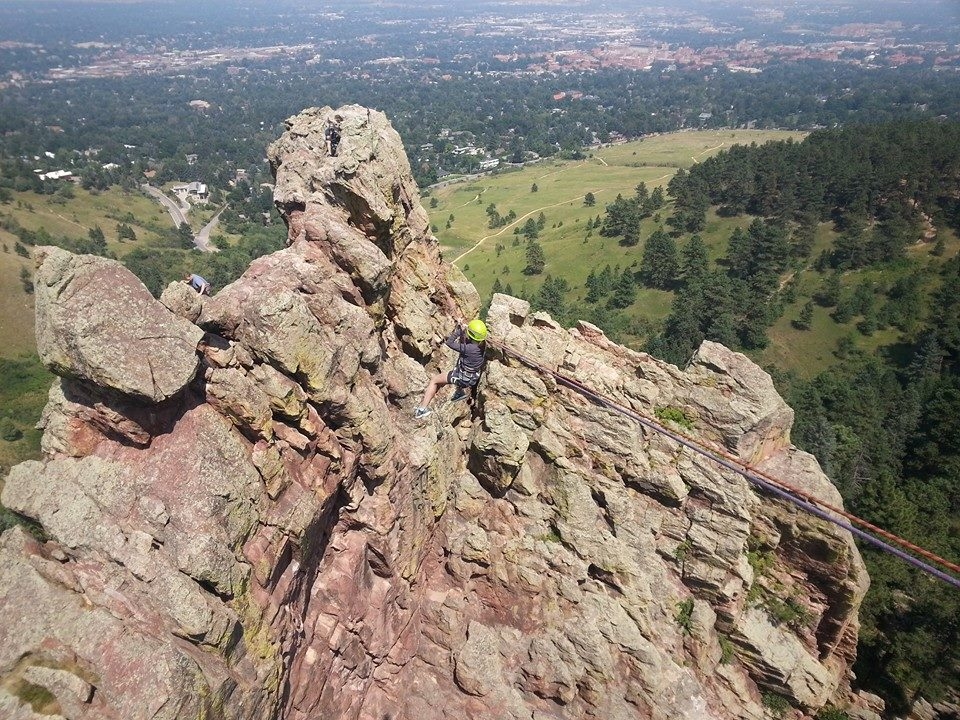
(98, 323)
(281, 539)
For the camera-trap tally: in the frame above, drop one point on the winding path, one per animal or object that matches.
(202, 241)
(694, 157)
(507, 227)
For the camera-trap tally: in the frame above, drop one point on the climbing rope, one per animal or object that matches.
(798, 497)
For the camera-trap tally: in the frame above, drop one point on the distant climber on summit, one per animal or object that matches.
(197, 283)
(332, 136)
(470, 343)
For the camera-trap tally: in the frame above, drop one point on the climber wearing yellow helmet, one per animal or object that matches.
(470, 344)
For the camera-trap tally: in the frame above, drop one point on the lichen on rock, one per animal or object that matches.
(254, 525)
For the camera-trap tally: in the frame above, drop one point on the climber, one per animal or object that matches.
(332, 136)
(197, 283)
(470, 363)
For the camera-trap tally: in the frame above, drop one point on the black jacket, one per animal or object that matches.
(472, 359)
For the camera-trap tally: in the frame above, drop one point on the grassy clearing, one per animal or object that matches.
(16, 306)
(23, 394)
(809, 352)
(74, 218)
(683, 149)
(572, 247)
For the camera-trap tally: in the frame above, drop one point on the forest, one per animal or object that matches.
(146, 122)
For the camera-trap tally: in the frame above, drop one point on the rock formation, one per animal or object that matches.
(239, 518)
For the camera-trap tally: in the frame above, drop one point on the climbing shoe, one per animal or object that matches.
(460, 394)
(421, 412)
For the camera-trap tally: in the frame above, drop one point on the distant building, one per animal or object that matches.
(194, 189)
(191, 159)
(489, 164)
(466, 150)
(55, 175)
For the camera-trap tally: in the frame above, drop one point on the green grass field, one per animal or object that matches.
(16, 306)
(809, 352)
(572, 250)
(683, 149)
(75, 218)
(23, 393)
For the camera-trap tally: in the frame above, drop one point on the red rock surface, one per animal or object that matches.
(280, 538)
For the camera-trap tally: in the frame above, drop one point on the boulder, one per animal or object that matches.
(97, 322)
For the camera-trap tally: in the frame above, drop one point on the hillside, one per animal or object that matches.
(561, 188)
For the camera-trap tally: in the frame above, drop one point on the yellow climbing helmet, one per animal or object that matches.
(476, 330)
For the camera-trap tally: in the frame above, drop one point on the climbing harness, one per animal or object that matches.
(801, 499)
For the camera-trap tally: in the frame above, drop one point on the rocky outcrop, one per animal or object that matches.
(99, 324)
(267, 532)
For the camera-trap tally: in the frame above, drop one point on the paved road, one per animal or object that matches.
(202, 241)
(176, 213)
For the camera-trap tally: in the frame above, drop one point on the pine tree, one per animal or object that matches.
(805, 318)
(657, 199)
(658, 267)
(696, 263)
(594, 292)
(722, 330)
(185, 235)
(98, 241)
(550, 297)
(536, 259)
(829, 293)
(624, 291)
(641, 195)
(530, 230)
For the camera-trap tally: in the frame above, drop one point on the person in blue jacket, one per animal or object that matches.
(471, 347)
(197, 283)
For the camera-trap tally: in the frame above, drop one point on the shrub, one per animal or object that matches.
(786, 612)
(674, 415)
(726, 650)
(832, 713)
(9, 431)
(776, 704)
(684, 616)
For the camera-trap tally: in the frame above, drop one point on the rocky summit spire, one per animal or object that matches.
(240, 518)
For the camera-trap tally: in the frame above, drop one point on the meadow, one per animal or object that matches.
(574, 247)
